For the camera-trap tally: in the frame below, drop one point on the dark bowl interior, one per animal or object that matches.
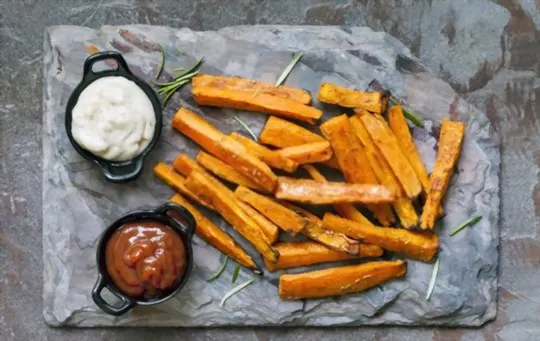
(113, 171)
(145, 216)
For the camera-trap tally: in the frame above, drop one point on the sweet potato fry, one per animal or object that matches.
(280, 133)
(353, 161)
(320, 193)
(334, 94)
(215, 236)
(412, 244)
(389, 147)
(338, 281)
(225, 204)
(259, 102)
(403, 205)
(185, 165)
(271, 157)
(450, 142)
(346, 210)
(399, 127)
(237, 83)
(271, 231)
(176, 181)
(224, 148)
(286, 219)
(308, 153)
(292, 255)
(226, 172)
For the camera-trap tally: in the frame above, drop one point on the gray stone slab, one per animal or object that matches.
(78, 203)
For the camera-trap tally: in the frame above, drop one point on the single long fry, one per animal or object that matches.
(215, 236)
(238, 83)
(308, 153)
(259, 102)
(450, 142)
(286, 219)
(346, 210)
(271, 157)
(389, 147)
(338, 281)
(225, 204)
(403, 205)
(224, 148)
(271, 231)
(334, 94)
(292, 255)
(281, 133)
(412, 244)
(315, 231)
(399, 126)
(185, 165)
(176, 181)
(353, 161)
(226, 172)
(320, 193)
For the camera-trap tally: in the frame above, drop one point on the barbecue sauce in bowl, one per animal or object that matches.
(145, 258)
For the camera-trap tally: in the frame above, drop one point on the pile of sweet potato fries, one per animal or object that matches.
(377, 156)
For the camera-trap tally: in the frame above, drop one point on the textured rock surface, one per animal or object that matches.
(509, 95)
(78, 203)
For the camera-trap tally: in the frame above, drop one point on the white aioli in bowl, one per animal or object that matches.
(113, 119)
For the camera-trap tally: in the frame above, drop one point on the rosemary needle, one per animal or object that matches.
(411, 117)
(236, 273)
(433, 279)
(234, 291)
(220, 271)
(288, 69)
(246, 127)
(469, 222)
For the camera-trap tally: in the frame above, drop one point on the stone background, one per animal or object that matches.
(487, 50)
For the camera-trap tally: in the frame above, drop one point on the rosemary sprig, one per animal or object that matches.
(246, 127)
(289, 68)
(236, 273)
(220, 271)
(160, 70)
(234, 291)
(411, 117)
(469, 222)
(433, 279)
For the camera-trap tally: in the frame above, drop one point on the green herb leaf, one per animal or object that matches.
(160, 70)
(234, 291)
(411, 117)
(433, 279)
(235, 274)
(220, 271)
(469, 222)
(288, 69)
(246, 127)
(179, 51)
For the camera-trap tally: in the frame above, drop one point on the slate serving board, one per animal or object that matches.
(78, 203)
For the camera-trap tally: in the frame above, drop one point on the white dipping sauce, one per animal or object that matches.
(113, 119)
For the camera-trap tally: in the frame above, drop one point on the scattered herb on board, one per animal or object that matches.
(411, 117)
(469, 222)
(245, 126)
(235, 274)
(160, 70)
(167, 89)
(234, 291)
(433, 279)
(288, 69)
(220, 271)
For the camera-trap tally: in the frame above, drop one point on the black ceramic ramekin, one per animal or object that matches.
(161, 214)
(114, 171)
